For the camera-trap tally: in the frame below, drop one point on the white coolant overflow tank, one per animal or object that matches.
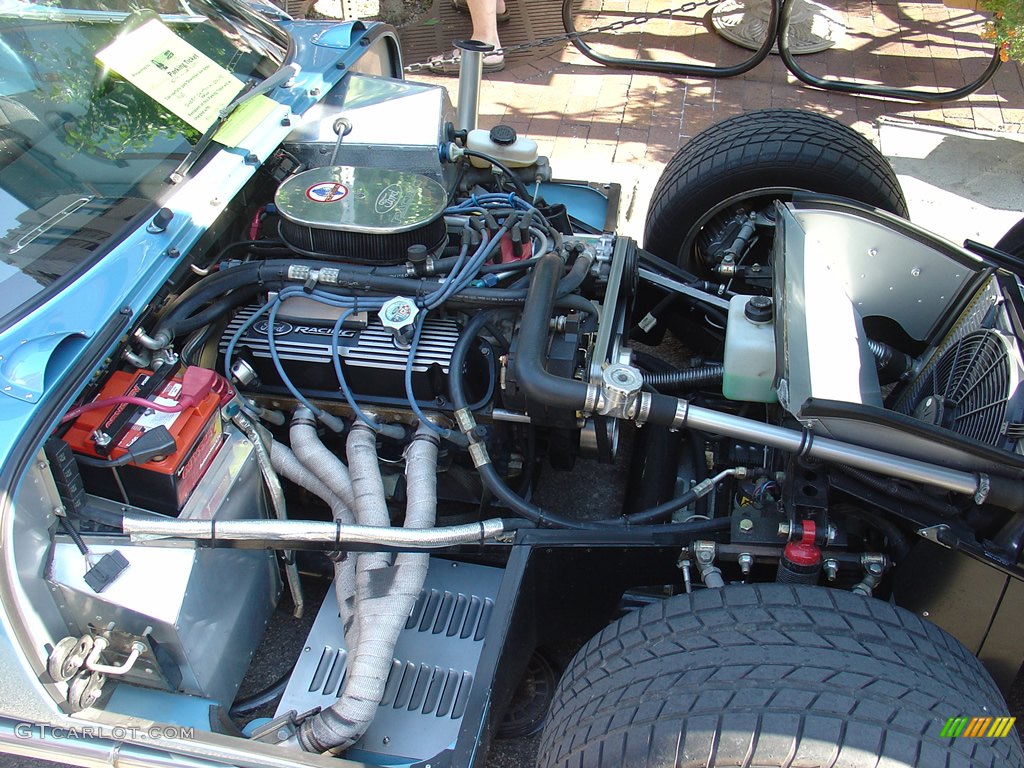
(749, 364)
(503, 144)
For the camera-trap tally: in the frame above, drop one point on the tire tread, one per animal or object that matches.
(662, 686)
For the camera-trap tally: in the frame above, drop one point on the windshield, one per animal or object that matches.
(84, 152)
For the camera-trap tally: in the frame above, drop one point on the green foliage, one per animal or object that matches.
(120, 118)
(1005, 27)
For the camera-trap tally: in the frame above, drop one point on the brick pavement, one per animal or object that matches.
(607, 124)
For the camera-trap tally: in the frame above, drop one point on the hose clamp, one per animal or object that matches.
(984, 487)
(806, 443)
(682, 414)
(643, 411)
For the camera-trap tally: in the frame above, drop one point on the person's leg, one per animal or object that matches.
(485, 29)
(485, 20)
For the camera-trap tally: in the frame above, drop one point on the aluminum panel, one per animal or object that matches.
(431, 675)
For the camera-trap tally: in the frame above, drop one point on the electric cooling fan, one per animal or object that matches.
(970, 387)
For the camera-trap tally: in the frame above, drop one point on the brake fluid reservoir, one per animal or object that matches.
(749, 364)
(504, 145)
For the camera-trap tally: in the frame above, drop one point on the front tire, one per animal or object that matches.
(749, 160)
(772, 675)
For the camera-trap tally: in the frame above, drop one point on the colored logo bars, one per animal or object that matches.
(977, 727)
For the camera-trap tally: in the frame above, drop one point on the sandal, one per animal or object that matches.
(443, 65)
(462, 6)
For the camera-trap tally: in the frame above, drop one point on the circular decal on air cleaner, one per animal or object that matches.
(327, 192)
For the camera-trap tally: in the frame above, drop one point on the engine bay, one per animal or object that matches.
(364, 368)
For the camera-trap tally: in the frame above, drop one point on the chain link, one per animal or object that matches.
(543, 42)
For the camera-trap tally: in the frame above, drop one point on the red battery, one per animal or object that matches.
(162, 486)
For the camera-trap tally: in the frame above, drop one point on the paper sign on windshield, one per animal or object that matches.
(172, 72)
(182, 79)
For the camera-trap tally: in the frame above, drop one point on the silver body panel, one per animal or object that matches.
(395, 124)
(431, 676)
(206, 608)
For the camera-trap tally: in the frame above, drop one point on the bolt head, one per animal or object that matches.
(746, 525)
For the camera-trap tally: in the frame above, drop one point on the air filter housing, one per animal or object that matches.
(361, 215)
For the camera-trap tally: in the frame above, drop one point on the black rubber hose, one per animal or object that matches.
(660, 512)
(457, 362)
(648, 362)
(892, 488)
(496, 485)
(272, 273)
(542, 517)
(892, 364)
(206, 290)
(577, 274)
(528, 365)
(656, 312)
(577, 303)
(260, 246)
(685, 379)
(258, 699)
(180, 326)
(897, 540)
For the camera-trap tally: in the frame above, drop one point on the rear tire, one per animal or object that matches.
(772, 675)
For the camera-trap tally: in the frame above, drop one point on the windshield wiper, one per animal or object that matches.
(251, 90)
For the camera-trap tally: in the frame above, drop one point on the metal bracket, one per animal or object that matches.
(282, 728)
(677, 287)
(935, 534)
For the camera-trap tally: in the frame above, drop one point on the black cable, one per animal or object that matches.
(897, 541)
(258, 699)
(521, 189)
(76, 537)
(541, 517)
(152, 443)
